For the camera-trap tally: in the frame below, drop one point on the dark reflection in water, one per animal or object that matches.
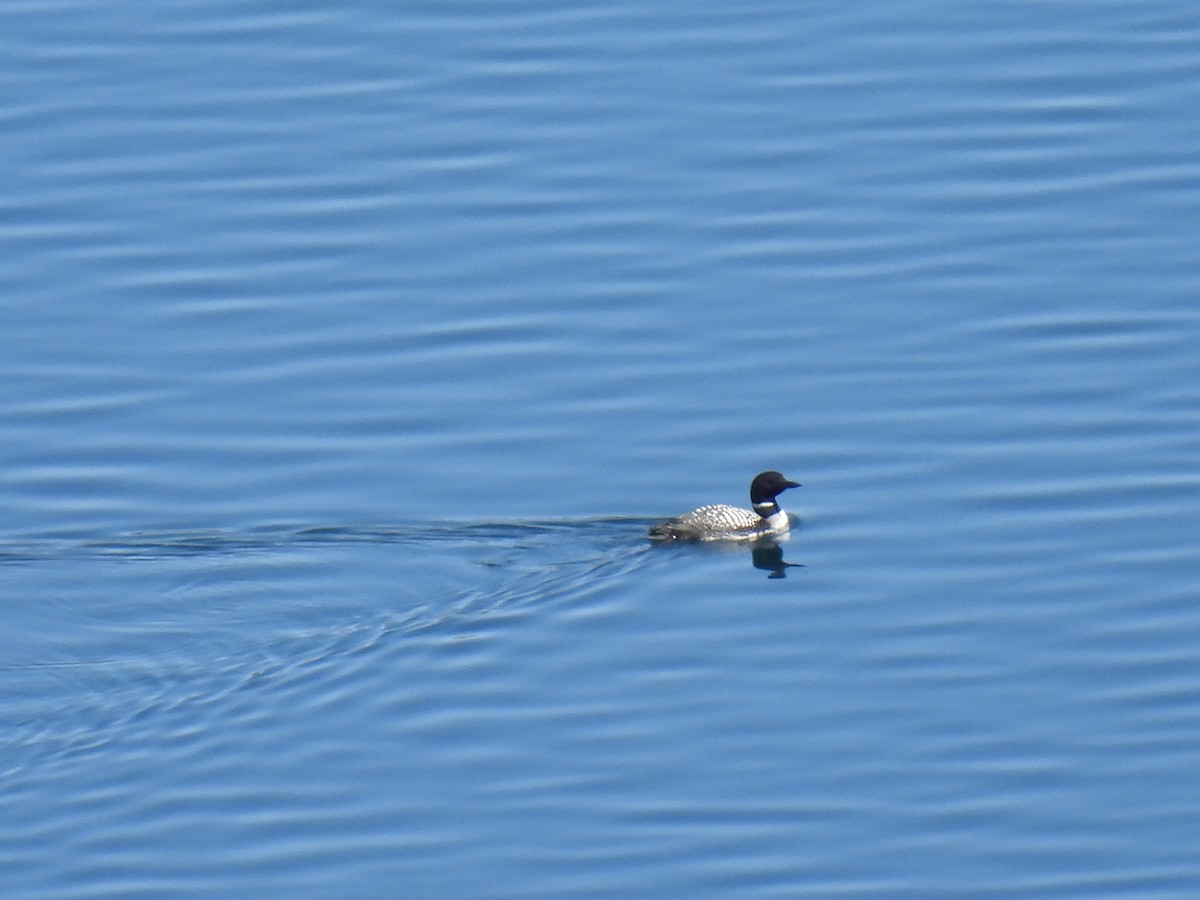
(768, 555)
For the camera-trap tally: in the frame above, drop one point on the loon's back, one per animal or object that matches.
(709, 523)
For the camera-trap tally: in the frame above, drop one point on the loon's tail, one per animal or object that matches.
(673, 530)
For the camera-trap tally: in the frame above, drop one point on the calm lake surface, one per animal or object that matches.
(348, 352)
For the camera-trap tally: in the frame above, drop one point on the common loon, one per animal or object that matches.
(730, 523)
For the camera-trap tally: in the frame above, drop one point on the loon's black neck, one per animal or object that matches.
(766, 508)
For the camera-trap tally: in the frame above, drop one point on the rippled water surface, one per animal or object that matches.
(348, 353)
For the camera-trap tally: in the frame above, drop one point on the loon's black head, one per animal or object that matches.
(765, 488)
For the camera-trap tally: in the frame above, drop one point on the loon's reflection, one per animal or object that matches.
(768, 555)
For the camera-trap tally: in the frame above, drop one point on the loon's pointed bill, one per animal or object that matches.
(719, 522)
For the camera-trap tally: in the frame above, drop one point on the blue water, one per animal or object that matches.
(348, 352)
